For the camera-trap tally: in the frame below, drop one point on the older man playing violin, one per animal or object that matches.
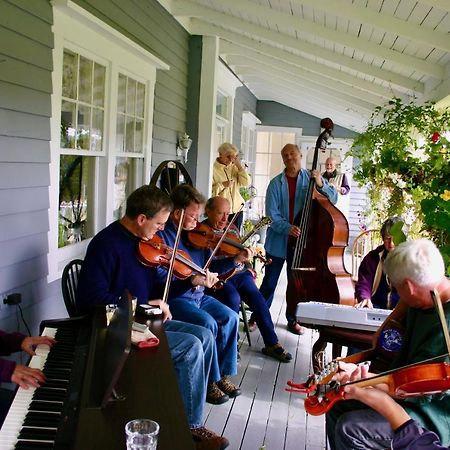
(242, 285)
(188, 301)
(415, 268)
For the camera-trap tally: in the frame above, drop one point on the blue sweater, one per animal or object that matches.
(110, 266)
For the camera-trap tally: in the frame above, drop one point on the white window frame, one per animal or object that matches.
(76, 29)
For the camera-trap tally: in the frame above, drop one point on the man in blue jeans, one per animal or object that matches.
(189, 303)
(111, 265)
(285, 198)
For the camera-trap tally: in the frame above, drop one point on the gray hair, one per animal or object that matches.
(418, 260)
(226, 148)
(387, 225)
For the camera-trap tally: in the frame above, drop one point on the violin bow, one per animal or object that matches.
(222, 237)
(172, 257)
(438, 306)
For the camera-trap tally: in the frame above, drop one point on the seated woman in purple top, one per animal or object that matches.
(373, 289)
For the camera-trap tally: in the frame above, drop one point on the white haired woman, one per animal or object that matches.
(228, 177)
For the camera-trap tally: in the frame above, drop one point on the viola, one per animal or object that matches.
(204, 236)
(410, 381)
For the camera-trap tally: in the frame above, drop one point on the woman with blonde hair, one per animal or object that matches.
(228, 177)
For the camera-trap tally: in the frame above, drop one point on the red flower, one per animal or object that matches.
(435, 137)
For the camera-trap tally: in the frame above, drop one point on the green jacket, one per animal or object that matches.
(424, 339)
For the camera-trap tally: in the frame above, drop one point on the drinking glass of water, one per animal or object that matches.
(142, 434)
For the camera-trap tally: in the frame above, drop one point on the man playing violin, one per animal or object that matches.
(242, 285)
(189, 303)
(111, 265)
(415, 268)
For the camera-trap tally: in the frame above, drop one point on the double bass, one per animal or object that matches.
(317, 261)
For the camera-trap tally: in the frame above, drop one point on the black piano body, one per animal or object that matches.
(146, 388)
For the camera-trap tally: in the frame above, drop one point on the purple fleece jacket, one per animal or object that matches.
(9, 343)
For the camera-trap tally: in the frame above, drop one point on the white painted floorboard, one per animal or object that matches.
(266, 416)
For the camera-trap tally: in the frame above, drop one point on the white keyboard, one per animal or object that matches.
(21, 404)
(342, 316)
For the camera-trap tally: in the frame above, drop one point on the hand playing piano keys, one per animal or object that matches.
(26, 376)
(30, 343)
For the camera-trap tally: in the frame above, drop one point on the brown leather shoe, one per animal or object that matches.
(229, 388)
(208, 440)
(295, 327)
(215, 396)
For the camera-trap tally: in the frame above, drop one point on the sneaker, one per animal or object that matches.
(252, 326)
(208, 440)
(294, 327)
(215, 396)
(229, 388)
(278, 352)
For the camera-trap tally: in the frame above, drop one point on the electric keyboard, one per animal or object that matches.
(342, 316)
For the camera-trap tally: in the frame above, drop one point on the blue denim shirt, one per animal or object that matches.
(277, 208)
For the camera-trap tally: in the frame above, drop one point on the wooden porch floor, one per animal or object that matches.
(266, 416)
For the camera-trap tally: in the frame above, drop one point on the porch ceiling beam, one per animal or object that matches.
(441, 4)
(312, 70)
(383, 21)
(246, 66)
(405, 84)
(345, 117)
(190, 8)
(326, 96)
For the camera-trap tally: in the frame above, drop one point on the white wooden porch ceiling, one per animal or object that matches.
(336, 58)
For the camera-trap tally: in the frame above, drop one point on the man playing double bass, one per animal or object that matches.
(285, 198)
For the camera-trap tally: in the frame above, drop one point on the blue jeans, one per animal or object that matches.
(191, 348)
(351, 425)
(223, 323)
(242, 286)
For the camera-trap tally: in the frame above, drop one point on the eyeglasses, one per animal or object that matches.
(191, 216)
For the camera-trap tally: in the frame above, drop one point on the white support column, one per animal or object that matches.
(207, 114)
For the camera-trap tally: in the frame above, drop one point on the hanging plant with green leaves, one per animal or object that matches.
(403, 159)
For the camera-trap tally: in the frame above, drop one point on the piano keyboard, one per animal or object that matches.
(33, 418)
(342, 316)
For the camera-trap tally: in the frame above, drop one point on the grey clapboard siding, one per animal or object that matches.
(26, 43)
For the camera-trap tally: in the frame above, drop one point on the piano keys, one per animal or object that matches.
(342, 316)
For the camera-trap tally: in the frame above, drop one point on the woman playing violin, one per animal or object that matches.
(192, 305)
(242, 285)
(414, 268)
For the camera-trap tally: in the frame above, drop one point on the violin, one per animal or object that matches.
(155, 253)
(409, 381)
(204, 236)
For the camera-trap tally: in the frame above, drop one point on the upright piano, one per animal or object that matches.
(70, 411)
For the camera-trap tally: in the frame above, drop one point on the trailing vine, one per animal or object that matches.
(403, 159)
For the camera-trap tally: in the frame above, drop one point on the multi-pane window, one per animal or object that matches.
(83, 103)
(82, 129)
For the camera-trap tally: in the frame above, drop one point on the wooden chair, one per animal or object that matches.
(169, 174)
(69, 283)
(363, 244)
